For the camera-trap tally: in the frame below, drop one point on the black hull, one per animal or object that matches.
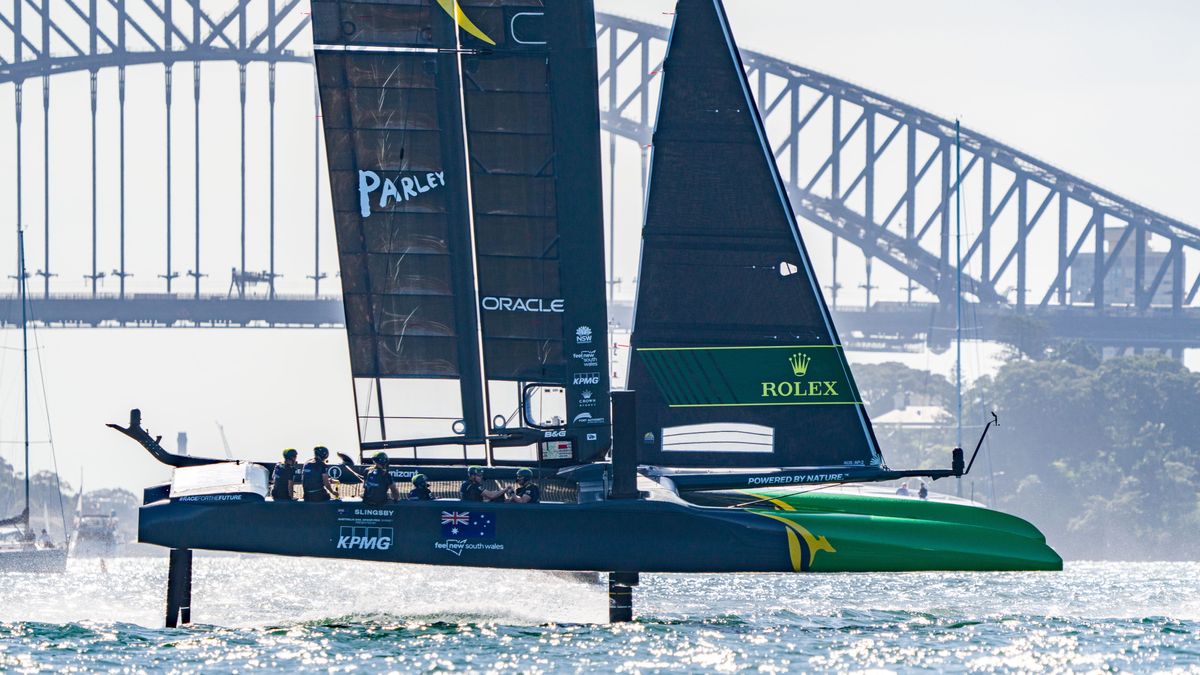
(628, 536)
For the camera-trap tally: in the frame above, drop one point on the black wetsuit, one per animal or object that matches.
(377, 486)
(534, 492)
(313, 478)
(471, 492)
(281, 482)
(420, 494)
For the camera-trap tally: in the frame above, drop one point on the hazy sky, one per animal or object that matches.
(1107, 90)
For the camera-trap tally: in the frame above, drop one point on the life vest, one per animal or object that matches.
(281, 480)
(534, 492)
(313, 479)
(471, 492)
(376, 486)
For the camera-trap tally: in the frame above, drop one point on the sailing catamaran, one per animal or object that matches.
(463, 145)
(25, 553)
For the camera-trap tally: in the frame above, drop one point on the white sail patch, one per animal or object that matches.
(402, 189)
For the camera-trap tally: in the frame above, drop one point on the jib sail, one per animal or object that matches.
(463, 143)
(736, 361)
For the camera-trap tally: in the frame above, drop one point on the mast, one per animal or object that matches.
(958, 291)
(21, 291)
(476, 344)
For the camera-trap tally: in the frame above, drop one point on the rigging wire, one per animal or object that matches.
(974, 308)
(8, 321)
(49, 427)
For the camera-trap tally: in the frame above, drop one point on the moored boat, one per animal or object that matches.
(23, 550)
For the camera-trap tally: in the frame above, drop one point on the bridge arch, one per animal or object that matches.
(873, 171)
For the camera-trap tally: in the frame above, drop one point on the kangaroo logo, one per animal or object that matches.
(452, 8)
(802, 544)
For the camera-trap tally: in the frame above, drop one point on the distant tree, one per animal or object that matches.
(1077, 352)
(886, 386)
(883, 384)
(1027, 336)
(10, 499)
(1105, 459)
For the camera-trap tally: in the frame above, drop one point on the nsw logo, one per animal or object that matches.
(454, 546)
(583, 335)
(365, 538)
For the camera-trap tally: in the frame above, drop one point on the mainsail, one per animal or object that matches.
(463, 144)
(736, 361)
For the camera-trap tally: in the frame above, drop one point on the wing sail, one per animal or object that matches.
(463, 144)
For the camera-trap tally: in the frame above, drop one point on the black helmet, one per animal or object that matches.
(527, 474)
(475, 471)
(290, 454)
(420, 480)
(380, 459)
(321, 452)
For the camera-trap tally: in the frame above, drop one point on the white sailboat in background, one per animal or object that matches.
(27, 551)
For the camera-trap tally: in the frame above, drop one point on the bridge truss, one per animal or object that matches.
(1043, 249)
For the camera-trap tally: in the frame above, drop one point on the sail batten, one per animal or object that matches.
(730, 327)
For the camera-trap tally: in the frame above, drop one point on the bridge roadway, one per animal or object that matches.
(886, 326)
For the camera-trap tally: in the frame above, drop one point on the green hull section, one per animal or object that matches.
(838, 532)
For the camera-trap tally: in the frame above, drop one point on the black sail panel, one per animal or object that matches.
(463, 142)
(393, 128)
(736, 361)
(533, 133)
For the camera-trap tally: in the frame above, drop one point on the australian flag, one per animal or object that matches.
(468, 525)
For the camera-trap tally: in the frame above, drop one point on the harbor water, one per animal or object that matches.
(289, 615)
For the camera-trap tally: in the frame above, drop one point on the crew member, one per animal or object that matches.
(903, 489)
(526, 492)
(923, 493)
(378, 484)
(472, 488)
(284, 477)
(44, 541)
(318, 486)
(420, 491)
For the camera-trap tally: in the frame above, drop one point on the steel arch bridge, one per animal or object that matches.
(1044, 250)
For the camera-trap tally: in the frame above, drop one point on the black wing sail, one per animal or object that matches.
(389, 81)
(533, 128)
(736, 360)
(454, 130)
